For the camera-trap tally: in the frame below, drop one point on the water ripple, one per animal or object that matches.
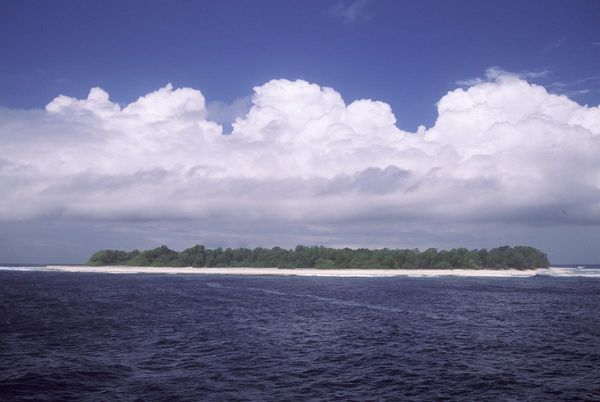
(104, 337)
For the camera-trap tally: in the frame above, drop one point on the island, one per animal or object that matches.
(326, 258)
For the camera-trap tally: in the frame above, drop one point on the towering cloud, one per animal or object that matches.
(502, 150)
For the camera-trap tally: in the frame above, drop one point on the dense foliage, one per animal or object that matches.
(323, 257)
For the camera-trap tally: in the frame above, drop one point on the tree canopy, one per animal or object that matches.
(522, 257)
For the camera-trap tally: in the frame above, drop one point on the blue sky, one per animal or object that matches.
(113, 115)
(407, 54)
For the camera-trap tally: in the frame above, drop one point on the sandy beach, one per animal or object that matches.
(303, 271)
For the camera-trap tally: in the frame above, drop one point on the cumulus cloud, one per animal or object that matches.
(501, 150)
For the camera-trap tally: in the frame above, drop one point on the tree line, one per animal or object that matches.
(522, 257)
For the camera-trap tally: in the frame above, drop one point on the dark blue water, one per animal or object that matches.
(68, 336)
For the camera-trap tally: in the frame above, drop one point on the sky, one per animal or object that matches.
(361, 123)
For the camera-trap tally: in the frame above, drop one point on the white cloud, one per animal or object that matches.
(578, 87)
(495, 72)
(560, 42)
(351, 11)
(502, 150)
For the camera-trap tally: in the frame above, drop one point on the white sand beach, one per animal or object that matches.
(303, 271)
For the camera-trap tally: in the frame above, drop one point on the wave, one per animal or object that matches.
(21, 268)
(571, 272)
(587, 271)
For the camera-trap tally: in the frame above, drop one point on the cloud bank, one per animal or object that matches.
(501, 151)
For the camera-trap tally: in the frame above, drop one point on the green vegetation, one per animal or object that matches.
(521, 257)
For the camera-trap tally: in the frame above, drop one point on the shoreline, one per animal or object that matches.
(350, 272)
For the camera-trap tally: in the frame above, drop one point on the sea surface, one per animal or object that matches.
(104, 337)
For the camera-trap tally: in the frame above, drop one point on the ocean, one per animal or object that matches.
(87, 336)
